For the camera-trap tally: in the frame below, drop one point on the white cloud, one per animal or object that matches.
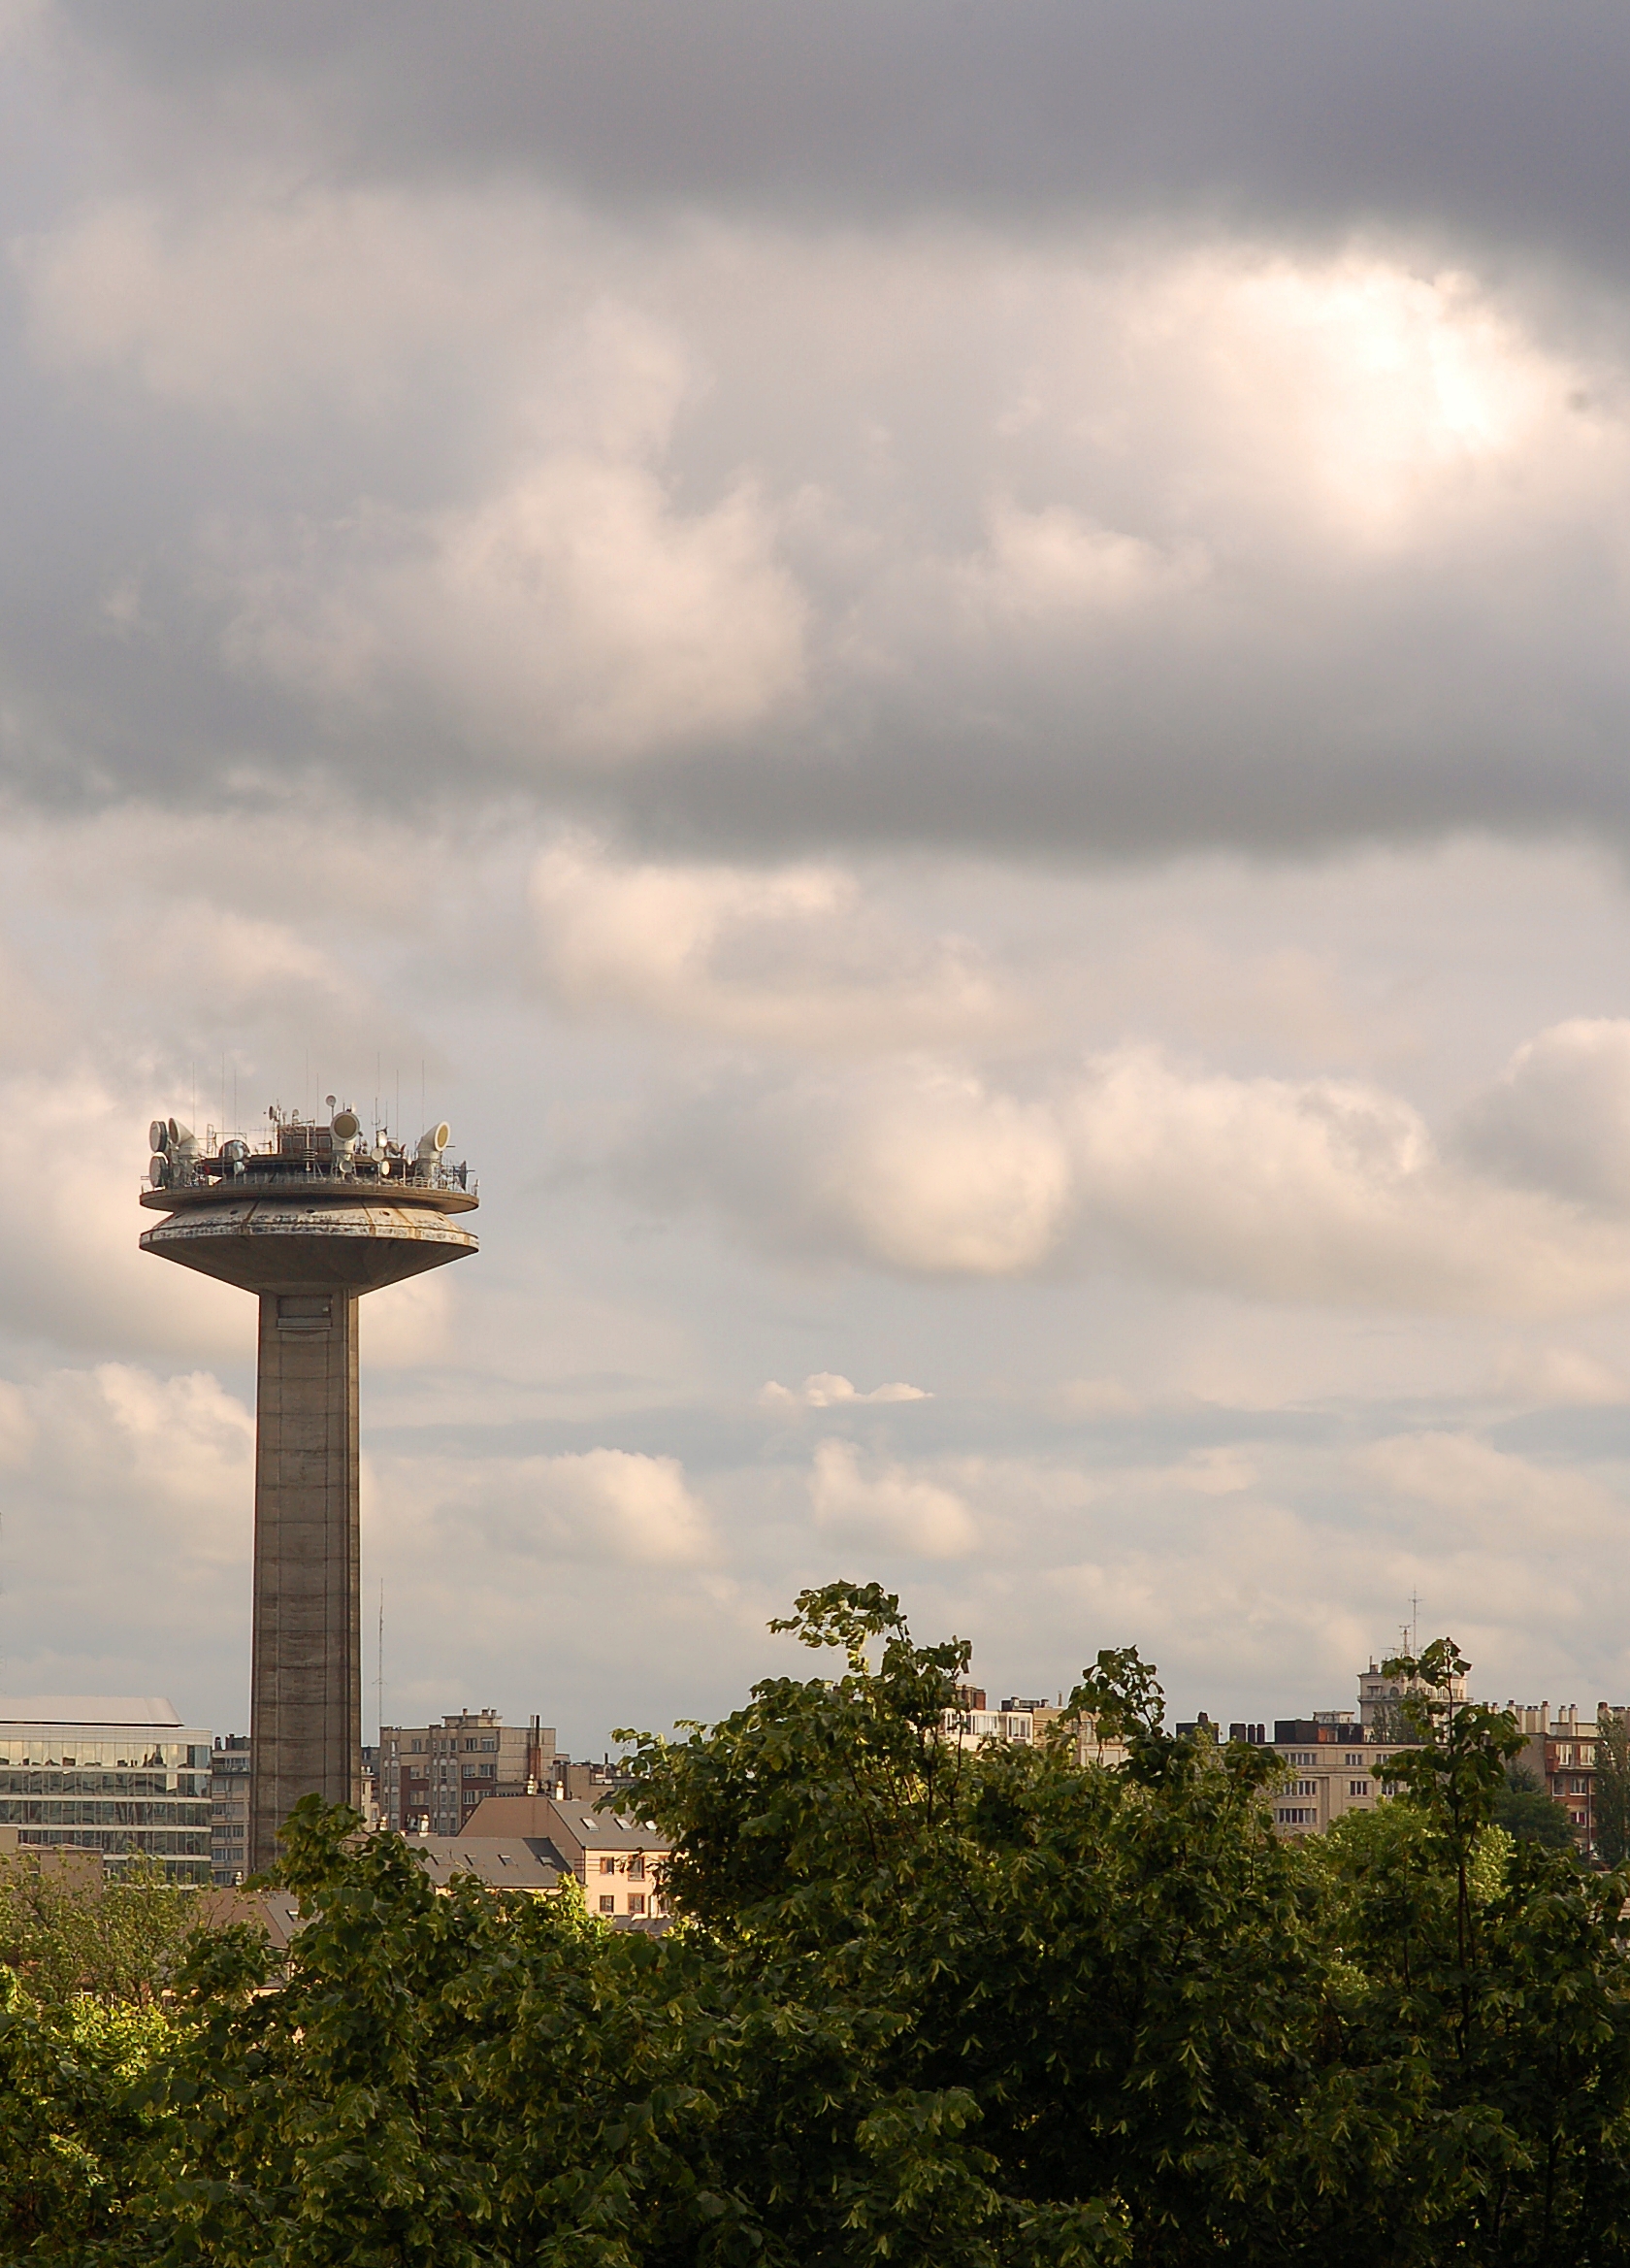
(129, 1511)
(887, 1503)
(1318, 1191)
(1558, 1117)
(261, 309)
(1559, 1377)
(71, 1268)
(1484, 1490)
(573, 616)
(940, 1174)
(408, 1326)
(828, 1389)
(1053, 564)
(796, 957)
(611, 1505)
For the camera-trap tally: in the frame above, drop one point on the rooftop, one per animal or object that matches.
(502, 1861)
(147, 1711)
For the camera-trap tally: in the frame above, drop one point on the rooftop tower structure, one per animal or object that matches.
(308, 1221)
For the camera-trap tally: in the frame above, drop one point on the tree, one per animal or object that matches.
(1528, 1813)
(1613, 1785)
(983, 2009)
(84, 1966)
(66, 1928)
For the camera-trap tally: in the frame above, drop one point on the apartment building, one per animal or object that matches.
(436, 1775)
(616, 1858)
(971, 1724)
(1560, 1749)
(1337, 1766)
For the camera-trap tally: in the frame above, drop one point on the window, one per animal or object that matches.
(608, 1866)
(489, 1744)
(470, 1744)
(608, 1905)
(637, 1902)
(636, 1868)
(1358, 1788)
(1358, 1760)
(1305, 1787)
(1296, 1816)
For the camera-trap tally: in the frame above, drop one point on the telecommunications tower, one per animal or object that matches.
(310, 1220)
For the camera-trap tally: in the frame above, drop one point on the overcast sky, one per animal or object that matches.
(956, 677)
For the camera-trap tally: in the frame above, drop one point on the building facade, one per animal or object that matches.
(1337, 1764)
(437, 1774)
(971, 1724)
(121, 1776)
(229, 1810)
(617, 1859)
(1560, 1749)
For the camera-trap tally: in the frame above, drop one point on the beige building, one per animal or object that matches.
(618, 1861)
(971, 1724)
(1381, 1698)
(1337, 1766)
(439, 1774)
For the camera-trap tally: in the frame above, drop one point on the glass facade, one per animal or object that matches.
(229, 1808)
(117, 1789)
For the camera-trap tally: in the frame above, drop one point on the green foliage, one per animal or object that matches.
(75, 2122)
(1528, 1813)
(1613, 1785)
(983, 2009)
(66, 1930)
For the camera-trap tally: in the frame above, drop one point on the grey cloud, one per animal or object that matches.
(396, 430)
(1484, 115)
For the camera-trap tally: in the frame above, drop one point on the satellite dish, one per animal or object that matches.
(158, 1136)
(346, 1124)
(158, 1170)
(435, 1139)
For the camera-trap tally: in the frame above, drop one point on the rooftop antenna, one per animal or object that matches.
(380, 1665)
(1415, 1621)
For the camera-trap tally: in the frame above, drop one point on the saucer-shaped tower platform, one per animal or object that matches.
(309, 1223)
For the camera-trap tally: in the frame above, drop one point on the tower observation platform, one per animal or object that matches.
(308, 1221)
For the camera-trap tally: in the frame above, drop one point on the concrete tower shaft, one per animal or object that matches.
(307, 1229)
